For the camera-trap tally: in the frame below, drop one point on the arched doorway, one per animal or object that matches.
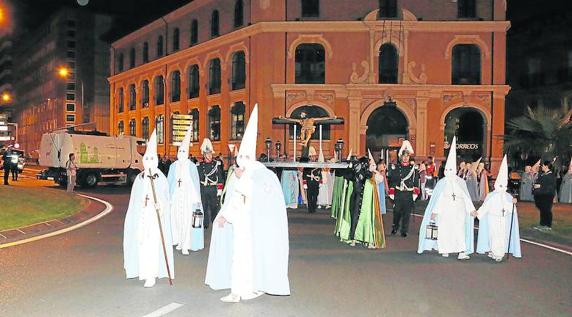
(387, 126)
(468, 124)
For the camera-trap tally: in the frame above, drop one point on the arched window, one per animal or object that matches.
(159, 90)
(310, 64)
(132, 97)
(388, 64)
(120, 100)
(145, 94)
(160, 129)
(132, 57)
(195, 124)
(466, 9)
(160, 46)
(194, 32)
(466, 68)
(193, 81)
(175, 86)
(145, 128)
(237, 121)
(214, 76)
(132, 127)
(238, 13)
(120, 128)
(238, 71)
(176, 38)
(310, 8)
(387, 8)
(120, 61)
(311, 112)
(215, 24)
(145, 52)
(214, 123)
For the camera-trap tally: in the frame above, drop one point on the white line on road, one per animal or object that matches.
(108, 209)
(164, 310)
(542, 245)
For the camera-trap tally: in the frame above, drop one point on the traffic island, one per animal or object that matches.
(30, 212)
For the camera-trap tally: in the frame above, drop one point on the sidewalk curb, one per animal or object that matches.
(55, 227)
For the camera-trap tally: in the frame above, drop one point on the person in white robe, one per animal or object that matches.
(185, 193)
(498, 221)
(452, 210)
(256, 210)
(326, 185)
(143, 255)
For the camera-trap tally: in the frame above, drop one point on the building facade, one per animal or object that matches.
(60, 72)
(392, 69)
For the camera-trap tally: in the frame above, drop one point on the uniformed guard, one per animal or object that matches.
(211, 176)
(402, 178)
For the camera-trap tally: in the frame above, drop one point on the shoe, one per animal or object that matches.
(537, 227)
(185, 252)
(545, 228)
(445, 255)
(353, 243)
(231, 298)
(393, 232)
(404, 234)
(498, 258)
(253, 295)
(150, 282)
(463, 256)
(490, 255)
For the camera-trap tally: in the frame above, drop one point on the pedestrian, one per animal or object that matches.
(451, 210)
(71, 171)
(258, 257)
(312, 178)
(527, 180)
(498, 221)
(543, 190)
(14, 165)
(211, 177)
(472, 180)
(566, 187)
(6, 164)
(483, 175)
(403, 178)
(423, 179)
(146, 249)
(185, 190)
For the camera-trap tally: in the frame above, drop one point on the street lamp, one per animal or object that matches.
(64, 72)
(6, 97)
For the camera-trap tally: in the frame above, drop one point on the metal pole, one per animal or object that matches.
(295, 137)
(320, 138)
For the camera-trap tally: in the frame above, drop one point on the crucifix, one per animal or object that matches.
(453, 195)
(146, 199)
(179, 181)
(308, 127)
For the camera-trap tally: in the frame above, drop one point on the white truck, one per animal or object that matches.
(101, 159)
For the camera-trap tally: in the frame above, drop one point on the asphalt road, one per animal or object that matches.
(81, 274)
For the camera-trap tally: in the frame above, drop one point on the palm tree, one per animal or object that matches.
(541, 132)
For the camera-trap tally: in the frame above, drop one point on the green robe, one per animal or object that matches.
(344, 220)
(337, 196)
(369, 229)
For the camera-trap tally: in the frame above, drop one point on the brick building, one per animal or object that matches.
(417, 69)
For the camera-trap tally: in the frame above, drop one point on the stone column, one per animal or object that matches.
(421, 144)
(353, 123)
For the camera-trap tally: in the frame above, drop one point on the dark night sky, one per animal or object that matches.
(132, 14)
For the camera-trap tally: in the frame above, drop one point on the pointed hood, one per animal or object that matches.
(321, 156)
(502, 178)
(475, 165)
(349, 155)
(451, 165)
(405, 146)
(207, 146)
(372, 164)
(183, 152)
(247, 151)
(536, 167)
(150, 159)
(231, 148)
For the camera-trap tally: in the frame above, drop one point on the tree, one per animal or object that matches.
(541, 132)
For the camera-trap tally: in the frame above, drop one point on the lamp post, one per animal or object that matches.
(64, 72)
(268, 143)
(278, 146)
(339, 146)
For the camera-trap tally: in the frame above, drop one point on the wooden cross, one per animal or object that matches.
(453, 195)
(146, 199)
(179, 181)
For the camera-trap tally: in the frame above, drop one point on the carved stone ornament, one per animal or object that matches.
(357, 79)
(422, 78)
(448, 97)
(295, 95)
(326, 97)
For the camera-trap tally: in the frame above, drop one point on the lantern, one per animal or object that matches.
(198, 219)
(431, 231)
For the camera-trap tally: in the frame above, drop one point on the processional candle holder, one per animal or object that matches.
(198, 218)
(268, 143)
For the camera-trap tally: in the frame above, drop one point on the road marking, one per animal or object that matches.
(108, 209)
(542, 245)
(164, 310)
